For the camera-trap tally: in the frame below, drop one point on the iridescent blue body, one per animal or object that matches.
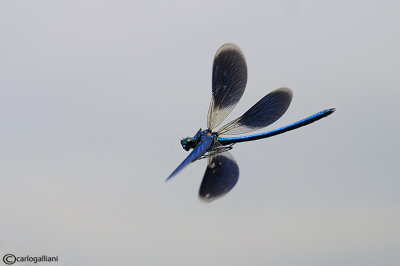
(303, 122)
(191, 142)
(228, 84)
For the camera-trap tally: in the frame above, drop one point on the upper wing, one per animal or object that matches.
(263, 113)
(197, 152)
(221, 176)
(229, 80)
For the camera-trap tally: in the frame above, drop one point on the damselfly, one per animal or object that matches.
(229, 78)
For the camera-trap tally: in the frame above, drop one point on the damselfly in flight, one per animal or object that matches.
(229, 79)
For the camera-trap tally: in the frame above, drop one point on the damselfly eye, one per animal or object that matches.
(187, 143)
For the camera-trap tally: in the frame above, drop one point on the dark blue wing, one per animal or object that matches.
(229, 80)
(221, 176)
(263, 113)
(197, 152)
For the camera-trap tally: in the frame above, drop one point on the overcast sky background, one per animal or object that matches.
(95, 95)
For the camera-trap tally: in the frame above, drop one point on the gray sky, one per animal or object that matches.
(95, 95)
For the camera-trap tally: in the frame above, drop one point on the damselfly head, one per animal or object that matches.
(188, 143)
